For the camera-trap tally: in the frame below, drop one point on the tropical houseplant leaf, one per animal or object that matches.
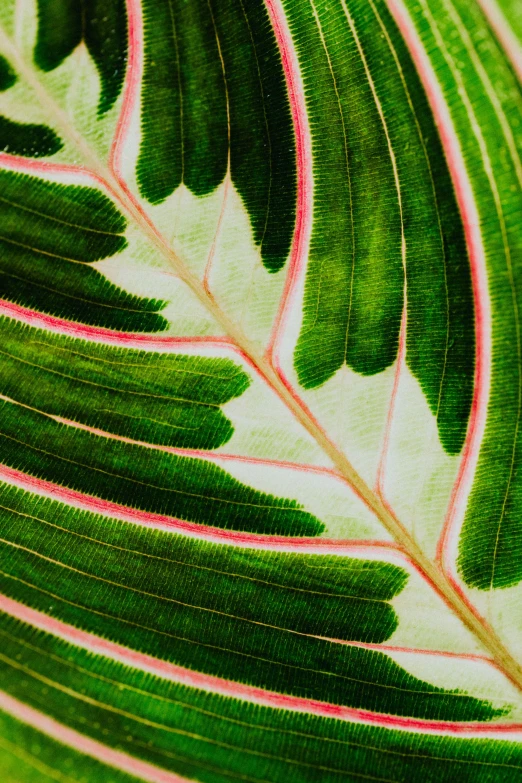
(261, 390)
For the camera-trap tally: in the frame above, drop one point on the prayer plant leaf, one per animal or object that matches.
(261, 390)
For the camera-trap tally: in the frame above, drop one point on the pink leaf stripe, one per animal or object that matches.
(82, 743)
(46, 168)
(131, 87)
(193, 529)
(455, 514)
(100, 335)
(510, 43)
(174, 673)
(303, 227)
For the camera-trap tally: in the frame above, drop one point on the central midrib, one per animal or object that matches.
(431, 571)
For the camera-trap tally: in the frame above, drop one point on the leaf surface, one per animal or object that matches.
(261, 391)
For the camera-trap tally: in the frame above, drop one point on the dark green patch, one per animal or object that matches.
(49, 234)
(167, 399)
(354, 288)
(7, 75)
(101, 24)
(28, 756)
(213, 86)
(31, 141)
(490, 549)
(353, 297)
(143, 478)
(184, 104)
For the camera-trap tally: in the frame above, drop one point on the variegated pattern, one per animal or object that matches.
(261, 391)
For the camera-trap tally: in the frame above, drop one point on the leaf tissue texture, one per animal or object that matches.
(214, 101)
(100, 24)
(172, 400)
(49, 238)
(23, 138)
(260, 391)
(358, 274)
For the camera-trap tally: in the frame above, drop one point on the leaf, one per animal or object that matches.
(260, 526)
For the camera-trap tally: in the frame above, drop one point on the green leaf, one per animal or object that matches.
(257, 526)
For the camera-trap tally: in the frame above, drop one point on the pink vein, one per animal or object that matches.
(462, 487)
(381, 470)
(301, 239)
(210, 456)
(302, 232)
(212, 251)
(46, 168)
(510, 43)
(86, 745)
(212, 684)
(132, 85)
(100, 334)
(192, 529)
(391, 648)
